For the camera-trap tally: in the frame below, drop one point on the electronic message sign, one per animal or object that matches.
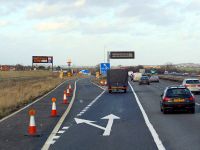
(42, 59)
(122, 55)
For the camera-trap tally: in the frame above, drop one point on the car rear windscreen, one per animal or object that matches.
(144, 78)
(178, 92)
(192, 82)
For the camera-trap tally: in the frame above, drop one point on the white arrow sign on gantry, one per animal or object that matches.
(106, 129)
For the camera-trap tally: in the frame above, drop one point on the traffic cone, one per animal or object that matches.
(70, 88)
(32, 130)
(53, 111)
(65, 101)
(68, 92)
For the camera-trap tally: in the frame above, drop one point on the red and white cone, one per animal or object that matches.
(68, 92)
(32, 130)
(65, 101)
(70, 88)
(53, 111)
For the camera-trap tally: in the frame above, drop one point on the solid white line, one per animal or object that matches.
(58, 125)
(32, 102)
(148, 123)
(61, 131)
(65, 128)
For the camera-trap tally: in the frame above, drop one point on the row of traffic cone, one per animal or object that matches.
(32, 130)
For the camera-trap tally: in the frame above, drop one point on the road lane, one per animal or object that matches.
(129, 132)
(13, 129)
(177, 131)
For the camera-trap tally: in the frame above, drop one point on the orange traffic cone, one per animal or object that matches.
(53, 111)
(65, 101)
(70, 88)
(32, 126)
(68, 92)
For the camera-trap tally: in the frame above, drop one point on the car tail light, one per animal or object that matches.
(186, 85)
(166, 99)
(191, 98)
(198, 85)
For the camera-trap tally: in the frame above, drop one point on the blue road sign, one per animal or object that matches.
(104, 67)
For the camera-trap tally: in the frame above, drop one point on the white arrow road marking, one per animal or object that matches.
(106, 129)
(78, 121)
(110, 118)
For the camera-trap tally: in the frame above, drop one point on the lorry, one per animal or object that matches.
(117, 79)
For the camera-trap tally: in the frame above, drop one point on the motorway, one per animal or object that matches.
(131, 128)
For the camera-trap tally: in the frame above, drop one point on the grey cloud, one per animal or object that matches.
(152, 13)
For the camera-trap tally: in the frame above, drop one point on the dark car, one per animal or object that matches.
(177, 98)
(144, 80)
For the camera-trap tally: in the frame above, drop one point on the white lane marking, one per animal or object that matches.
(98, 85)
(90, 104)
(51, 142)
(197, 104)
(110, 118)
(60, 122)
(78, 121)
(65, 128)
(61, 131)
(84, 110)
(106, 129)
(56, 137)
(32, 102)
(154, 134)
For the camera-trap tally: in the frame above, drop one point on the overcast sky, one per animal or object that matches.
(159, 31)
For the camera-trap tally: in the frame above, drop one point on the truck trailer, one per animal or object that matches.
(117, 80)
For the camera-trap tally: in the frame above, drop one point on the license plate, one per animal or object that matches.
(178, 100)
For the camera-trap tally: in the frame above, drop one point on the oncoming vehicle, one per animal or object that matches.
(177, 98)
(192, 84)
(154, 79)
(144, 80)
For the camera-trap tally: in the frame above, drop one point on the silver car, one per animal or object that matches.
(192, 84)
(154, 79)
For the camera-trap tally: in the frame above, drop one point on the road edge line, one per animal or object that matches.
(16, 112)
(153, 132)
(58, 125)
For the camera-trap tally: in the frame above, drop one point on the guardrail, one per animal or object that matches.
(176, 78)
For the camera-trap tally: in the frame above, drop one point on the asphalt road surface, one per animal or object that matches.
(135, 126)
(177, 131)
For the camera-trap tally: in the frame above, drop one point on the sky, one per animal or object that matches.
(159, 31)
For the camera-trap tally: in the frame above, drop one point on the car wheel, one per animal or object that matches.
(161, 109)
(110, 91)
(164, 111)
(125, 91)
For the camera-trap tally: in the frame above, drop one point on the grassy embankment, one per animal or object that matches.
(18, 88)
